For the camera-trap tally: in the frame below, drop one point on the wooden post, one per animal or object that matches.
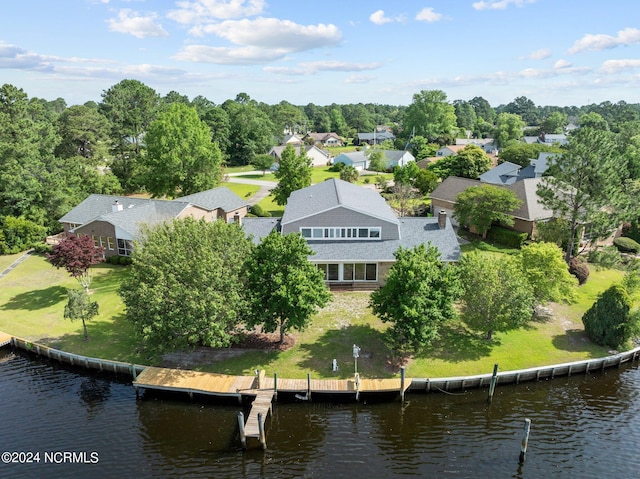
(525, 440)
(357, 379)
(133, 372)
(275, 386)
(263, 437)
(492, 386)
(243, 437)
(308, 386)
(402, 379)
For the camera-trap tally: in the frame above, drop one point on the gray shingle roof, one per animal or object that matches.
(96, 205)
(451, 186)
(332, 194)
(151, 213)
(221, 197)
(258, 228)
(414, 231)
(503, 174)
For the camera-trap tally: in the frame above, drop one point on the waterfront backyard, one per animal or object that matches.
(33, 296)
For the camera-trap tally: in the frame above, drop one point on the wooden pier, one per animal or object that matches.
(5, 339)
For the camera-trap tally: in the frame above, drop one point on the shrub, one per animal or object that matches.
(579, 269)
(19, 234)
(337, 167)
(626, 245)
(259, 211)
(506, 237)
(607, 322)
(113, 259)
(607, 257)
(633, 230)
(42, 248)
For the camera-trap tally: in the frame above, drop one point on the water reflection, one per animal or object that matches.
(584, 426)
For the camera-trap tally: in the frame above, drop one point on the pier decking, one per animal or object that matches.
(4, 339)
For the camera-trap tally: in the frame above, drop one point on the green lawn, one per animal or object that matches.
(243, 191)
(32, 299)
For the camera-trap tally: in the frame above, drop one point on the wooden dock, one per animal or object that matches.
(5, 339)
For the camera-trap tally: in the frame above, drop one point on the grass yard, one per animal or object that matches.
(33, 296)
(243, 191)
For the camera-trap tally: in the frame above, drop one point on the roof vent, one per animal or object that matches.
(116, 206)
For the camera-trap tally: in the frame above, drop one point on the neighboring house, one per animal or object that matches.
(443, 198)
(353, 232)
(487, 144)
(324, 139)
(508, 173)
(292, 140)
(547, 139)
(360, 159)
(115, 222)
(374, 138)
(318, 157)
(449, 150)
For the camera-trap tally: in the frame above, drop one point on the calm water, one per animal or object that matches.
(582, 427)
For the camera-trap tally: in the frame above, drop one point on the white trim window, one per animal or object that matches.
(125, 247)
(342, 233)
(353, 272)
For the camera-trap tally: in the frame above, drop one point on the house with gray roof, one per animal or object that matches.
(318, 156)
(360, 159)
(443, 198)
(115, 222)
(374, 138)
(353, 232)
(508, 173)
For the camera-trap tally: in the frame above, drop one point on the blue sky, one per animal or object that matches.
(555, 52)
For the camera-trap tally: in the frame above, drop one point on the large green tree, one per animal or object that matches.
(509, 128)
(180, 159)
(417, 298)
(293, 173)
(583, 185)
(285, 288)
(470, 162)
(547, 273)
(130, 106)
(251, 132)
(481, 206)
(496, 294)
(84, 132)
(186, 286)
(431, 116)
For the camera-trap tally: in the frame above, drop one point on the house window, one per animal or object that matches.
(330, 233)
(110, 243)
(103, 241)
(125, 247)
(349, 271)
(96, 241)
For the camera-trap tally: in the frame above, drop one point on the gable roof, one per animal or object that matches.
(221, 197)
(332, 194)
(451, 186)
(151, 213)
(378, 136)
(504, 174)
(96, 205)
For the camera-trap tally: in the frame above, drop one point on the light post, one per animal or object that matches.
(356, 355)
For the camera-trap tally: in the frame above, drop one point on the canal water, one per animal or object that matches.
(71, 423)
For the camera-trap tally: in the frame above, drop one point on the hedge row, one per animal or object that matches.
(506, 237)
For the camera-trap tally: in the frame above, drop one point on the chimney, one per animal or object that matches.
(442, 219)
(117, 206)
(236, 218)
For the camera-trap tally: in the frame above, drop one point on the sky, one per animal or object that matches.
(554, 52)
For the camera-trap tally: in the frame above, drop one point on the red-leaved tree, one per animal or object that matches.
(76, 254)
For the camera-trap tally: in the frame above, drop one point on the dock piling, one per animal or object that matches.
(243, 437)
(263, 437)
(492, 386)
(275, 386)
(308, 386)
(402, 379)
(525, 440)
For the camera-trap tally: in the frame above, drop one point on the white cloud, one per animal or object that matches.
(206, 11)
(601, 41)
(561, 64)
(499, 4)
(378, 18)
(250, 55)
(274, 33)
(615, 66)
(137, 25)
(540, 54)
(359, 79)
(428, 15)
(311, 68)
